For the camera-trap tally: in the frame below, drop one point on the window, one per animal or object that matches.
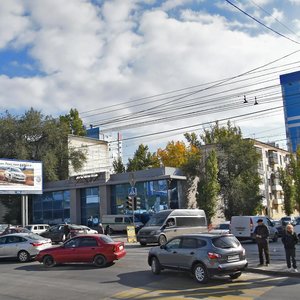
(189, 243)
(225, 242)
(119, 220)
(190, 221)
(15, 239)
(88, 242)
(174, 244)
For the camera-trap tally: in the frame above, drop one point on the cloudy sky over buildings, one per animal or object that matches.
(151, 69)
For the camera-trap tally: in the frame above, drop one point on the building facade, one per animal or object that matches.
(96, 152)
(273, 158)
(88, 197)
(290, 86)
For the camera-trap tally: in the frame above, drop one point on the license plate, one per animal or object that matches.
(233, 258)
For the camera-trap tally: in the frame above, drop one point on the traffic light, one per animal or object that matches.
(129, 203)
(137, 203)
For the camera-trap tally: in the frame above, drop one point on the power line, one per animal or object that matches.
(261, 23)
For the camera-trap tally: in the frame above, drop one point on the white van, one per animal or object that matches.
(243, 227)
(169, 223)
(37, 228)
(120, 222)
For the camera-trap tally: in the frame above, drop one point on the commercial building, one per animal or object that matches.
(290, 85)
(89, 196)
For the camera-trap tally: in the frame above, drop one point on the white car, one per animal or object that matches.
(15, 175)
(37, 228)
(22, 246)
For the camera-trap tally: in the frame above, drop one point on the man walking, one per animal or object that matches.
(262, 238)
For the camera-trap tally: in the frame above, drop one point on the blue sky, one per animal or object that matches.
(114, 61)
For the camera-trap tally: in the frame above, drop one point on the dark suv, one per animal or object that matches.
(205, 255)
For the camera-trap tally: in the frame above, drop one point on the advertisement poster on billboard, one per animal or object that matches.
(20, 177)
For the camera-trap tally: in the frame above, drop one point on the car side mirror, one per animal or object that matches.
(162, 246)
(163, 227)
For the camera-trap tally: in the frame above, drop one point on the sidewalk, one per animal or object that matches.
(277, 267)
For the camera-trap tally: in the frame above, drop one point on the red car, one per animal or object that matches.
(98, 249)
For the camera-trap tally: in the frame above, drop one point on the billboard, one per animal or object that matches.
(20, 177)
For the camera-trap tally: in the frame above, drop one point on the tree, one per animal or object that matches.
(118, 165)
(40, 138)
(208, 186)
(74, 122)
(295, 168)
(238, 173)
(286, 181)
(142, 159)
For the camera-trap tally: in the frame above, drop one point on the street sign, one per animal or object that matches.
(132, 192)
(131, 236)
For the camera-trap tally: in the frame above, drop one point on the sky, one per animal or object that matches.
(151, 70)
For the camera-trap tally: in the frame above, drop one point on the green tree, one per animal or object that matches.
(34, 136)
(208, 186)
(295, 168)
(118, 165)
(143, 159)
(286, 181)
(238, 169)
(74, 122)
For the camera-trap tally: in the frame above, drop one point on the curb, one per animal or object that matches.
(272, 272)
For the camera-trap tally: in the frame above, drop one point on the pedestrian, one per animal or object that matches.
(100, 228)
(289, 240)
(66, 232)
(262, 233)
(107, 230)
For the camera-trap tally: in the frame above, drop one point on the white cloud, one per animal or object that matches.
(295, 2)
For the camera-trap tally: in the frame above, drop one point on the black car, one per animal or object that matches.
(61, 232)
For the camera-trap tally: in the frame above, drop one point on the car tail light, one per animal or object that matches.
(212, 255)
(36, 244)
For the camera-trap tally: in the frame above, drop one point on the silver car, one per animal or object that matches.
(205, 255)
(22, 246)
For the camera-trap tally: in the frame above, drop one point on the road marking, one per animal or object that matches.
(248, 288)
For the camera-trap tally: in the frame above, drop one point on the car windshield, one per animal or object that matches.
(158, 219)
(226, 242)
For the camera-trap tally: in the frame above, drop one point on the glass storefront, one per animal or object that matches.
(90, 206)
(51, 207)
(154, 196)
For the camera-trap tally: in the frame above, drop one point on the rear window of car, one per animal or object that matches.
(225, 242)
(34, 237)
(106, 239)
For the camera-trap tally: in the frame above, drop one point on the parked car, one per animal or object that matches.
(14, 174)
(14, 229)
(205, 255)
(98, 249)
(243, 227)
(287, 220)
(22, 246)
(59, 234)
(3, 227)
(37, 228)
(222, 228)
(297, 227)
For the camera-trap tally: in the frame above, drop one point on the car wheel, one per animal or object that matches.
(100, 261)
(162, 240)
(235, 275)
(200, 273)
(155, 266)
(48, 261)
(23, 256)
(143, 244)
(275, 238)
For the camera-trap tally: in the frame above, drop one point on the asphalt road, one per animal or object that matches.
(130, 278)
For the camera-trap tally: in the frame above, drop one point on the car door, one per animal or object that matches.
(68, 252)
(3, 246)
(168, 255)
(188, 251)
(13, 245)
(87, 249)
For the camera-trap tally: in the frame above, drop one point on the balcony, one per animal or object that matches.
(278, 201)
